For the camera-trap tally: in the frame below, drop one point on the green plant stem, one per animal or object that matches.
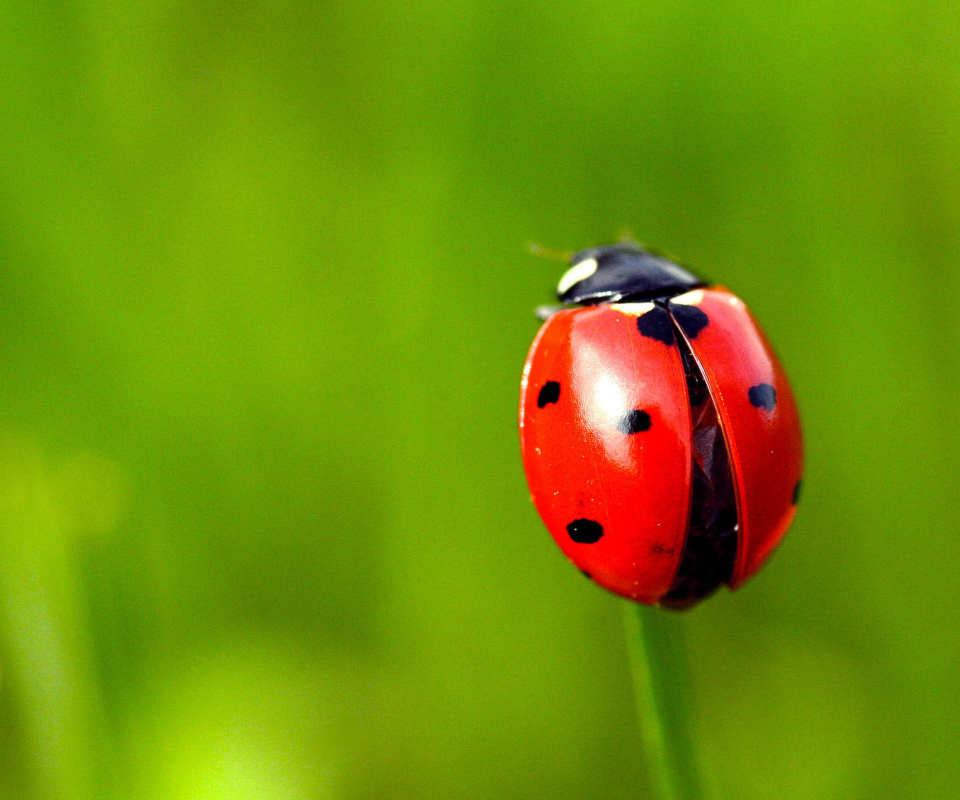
(661, 678)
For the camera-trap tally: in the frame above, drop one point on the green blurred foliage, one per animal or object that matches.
(264, 303)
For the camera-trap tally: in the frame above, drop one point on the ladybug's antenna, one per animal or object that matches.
(628, 237)
(549, 253)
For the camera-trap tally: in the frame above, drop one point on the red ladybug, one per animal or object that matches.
(659, 434)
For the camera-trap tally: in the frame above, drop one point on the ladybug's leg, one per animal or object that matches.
(549, 253)
(545, 312)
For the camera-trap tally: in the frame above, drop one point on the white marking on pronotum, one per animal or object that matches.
(576, 273)
(693, 298)
(633, 309)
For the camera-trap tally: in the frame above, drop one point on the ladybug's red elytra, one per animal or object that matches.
(659, 434)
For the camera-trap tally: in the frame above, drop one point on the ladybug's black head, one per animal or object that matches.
(623, 271)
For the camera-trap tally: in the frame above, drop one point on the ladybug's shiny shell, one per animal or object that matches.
(659, 435)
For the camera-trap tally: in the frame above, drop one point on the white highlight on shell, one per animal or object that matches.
(576, 273)
(609, 398)
(605, 400)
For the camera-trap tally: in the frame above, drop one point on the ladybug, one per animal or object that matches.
(659, 434)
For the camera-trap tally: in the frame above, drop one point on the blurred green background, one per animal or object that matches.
(264, 302)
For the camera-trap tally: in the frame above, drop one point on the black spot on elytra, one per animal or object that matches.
(585, 531)
(549, 393)
(587, 574)
(636, 421)
(796, 492)
(763, 395)
(691, 319)
(655, 324)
